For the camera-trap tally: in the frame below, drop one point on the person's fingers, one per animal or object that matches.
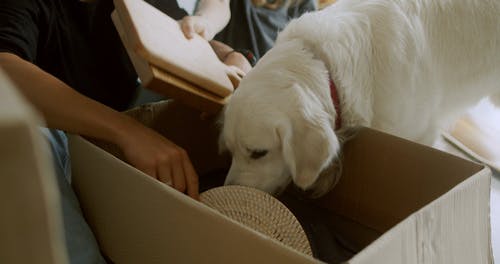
(233, 76)
(201, 29)
(149, 171)
(238, 71)
(147, 167)
(192, 25)
(187, 27)
(161, 159)
(192, 181)
(165, 172)
(178, 176)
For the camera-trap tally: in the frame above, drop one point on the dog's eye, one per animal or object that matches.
(257, 154)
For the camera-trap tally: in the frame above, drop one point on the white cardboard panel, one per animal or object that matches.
(454, 228)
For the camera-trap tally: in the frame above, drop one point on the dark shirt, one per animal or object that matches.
(76, 42)
(256, 28)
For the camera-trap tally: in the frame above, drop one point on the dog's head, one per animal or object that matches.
(279, 131)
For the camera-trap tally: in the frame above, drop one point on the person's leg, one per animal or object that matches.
(80, 242)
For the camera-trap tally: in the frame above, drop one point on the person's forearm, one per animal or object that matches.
(64, 108)
(229, 56)
(61, 106)
(217, 11)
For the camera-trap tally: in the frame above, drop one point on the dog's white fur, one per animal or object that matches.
(405, 67)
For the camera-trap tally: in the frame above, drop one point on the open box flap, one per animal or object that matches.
(455, 228)
(403, 176)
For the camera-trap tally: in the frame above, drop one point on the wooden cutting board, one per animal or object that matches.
(158, 39)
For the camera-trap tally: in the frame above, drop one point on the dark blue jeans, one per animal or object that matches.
(80, 242)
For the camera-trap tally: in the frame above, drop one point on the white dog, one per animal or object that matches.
(405, 67)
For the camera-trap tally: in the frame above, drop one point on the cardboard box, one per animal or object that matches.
(30, 221)
(397, 201)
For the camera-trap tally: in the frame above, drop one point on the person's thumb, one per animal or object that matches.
(187, 27)
(235, 75)
(202, 28)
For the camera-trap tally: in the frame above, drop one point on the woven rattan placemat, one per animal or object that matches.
(259, 211)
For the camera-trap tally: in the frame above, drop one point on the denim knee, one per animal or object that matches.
(80, 242)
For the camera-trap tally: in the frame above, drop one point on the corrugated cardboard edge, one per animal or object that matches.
(141, 65)
(30, 222)
(136, 219)
(437, 233)
(470, 153)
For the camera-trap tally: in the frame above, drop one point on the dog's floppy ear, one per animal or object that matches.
(308, 143)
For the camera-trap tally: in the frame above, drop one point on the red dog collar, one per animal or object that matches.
(336, 103)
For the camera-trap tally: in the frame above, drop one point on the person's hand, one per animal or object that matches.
(160, 158)
(237, 64)
(235, 74)
(192, 25)
(238, 60)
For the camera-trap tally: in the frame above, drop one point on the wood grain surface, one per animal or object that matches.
(158, 39)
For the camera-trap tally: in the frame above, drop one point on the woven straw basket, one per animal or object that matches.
(259, 211)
